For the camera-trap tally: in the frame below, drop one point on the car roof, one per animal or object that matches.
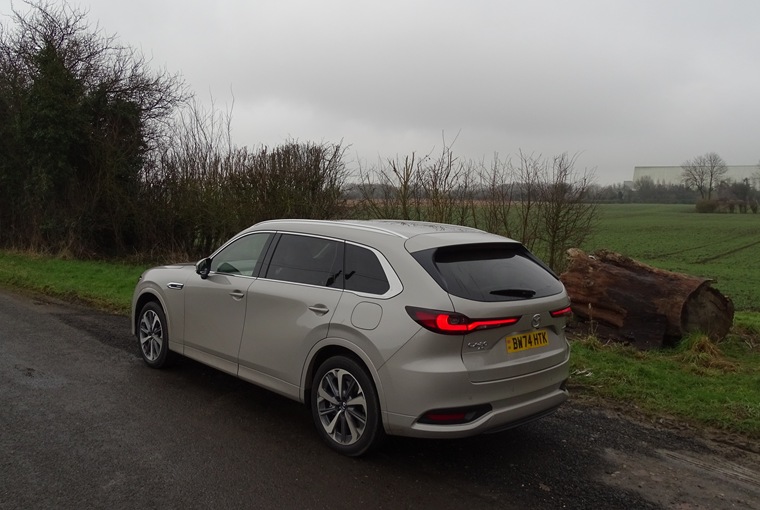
(415, 234)
(398, 228)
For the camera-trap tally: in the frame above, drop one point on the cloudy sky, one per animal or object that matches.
(620, 83)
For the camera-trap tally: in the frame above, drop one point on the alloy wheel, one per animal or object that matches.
(151, 335)
(342, 406)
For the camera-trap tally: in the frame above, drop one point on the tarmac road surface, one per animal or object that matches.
(85, 424)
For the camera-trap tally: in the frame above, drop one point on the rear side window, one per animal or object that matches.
(305, 259)
(364, 272)
(489, 272)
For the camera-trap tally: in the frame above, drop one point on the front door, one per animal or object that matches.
(215, 307)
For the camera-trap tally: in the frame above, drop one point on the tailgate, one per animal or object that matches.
(536, 342)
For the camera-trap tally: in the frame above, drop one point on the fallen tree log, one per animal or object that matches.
(643, 305)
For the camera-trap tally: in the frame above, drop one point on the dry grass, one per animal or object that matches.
(700, 353)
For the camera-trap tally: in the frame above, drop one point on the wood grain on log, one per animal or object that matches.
(645, 305)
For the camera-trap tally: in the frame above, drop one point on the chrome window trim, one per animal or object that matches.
(307, 234)
(233, 275)
(298, 283)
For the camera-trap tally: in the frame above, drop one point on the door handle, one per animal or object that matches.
(238, 295)
(319, 309)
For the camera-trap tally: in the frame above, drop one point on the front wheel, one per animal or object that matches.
(345, 406)
(153, 335)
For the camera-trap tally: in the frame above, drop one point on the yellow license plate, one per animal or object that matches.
(525, 341)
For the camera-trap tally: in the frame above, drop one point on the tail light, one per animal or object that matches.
(451, 323)
(562, 312)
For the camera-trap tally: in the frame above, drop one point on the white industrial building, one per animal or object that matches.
(672, 174)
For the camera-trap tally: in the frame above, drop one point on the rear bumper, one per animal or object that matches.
(408, 394)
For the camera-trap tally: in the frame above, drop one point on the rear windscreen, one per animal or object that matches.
(489, 272)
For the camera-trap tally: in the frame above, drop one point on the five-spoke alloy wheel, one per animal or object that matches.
(345, 406)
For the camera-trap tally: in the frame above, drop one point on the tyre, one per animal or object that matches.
(345, 407)
(153, 334)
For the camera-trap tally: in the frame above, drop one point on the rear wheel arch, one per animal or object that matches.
(326, 352)
(346, 410)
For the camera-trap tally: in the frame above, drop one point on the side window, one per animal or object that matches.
(310, 260)
(241, 256)
(364, 272)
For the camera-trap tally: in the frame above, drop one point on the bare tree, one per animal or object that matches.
(446, 183)
(545, 204)
(568, 210)
(432, 188)
(704, 173)
(531, 177)
(392, 189)
(498, 191)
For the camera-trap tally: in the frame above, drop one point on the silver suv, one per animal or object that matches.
(398, 327)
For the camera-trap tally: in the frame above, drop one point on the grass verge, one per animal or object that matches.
(104, 285)
(701, 383)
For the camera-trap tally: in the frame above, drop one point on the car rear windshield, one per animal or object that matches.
(489, 272)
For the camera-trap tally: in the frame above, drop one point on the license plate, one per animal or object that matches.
(525, 341)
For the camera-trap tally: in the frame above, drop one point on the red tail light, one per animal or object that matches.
(451, 323)
(563, 312)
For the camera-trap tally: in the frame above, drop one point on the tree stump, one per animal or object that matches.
(643, 305)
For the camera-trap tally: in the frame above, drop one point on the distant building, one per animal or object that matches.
(672, 174)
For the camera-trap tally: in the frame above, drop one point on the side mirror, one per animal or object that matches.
(203, 267)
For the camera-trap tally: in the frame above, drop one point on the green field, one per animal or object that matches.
(723, 247)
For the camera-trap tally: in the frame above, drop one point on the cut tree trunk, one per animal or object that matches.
(643, 305)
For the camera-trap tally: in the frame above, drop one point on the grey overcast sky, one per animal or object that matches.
(620, 83)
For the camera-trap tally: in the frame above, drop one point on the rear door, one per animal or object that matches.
(289, 309)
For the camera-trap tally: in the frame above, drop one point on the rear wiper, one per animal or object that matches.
(521, 293)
